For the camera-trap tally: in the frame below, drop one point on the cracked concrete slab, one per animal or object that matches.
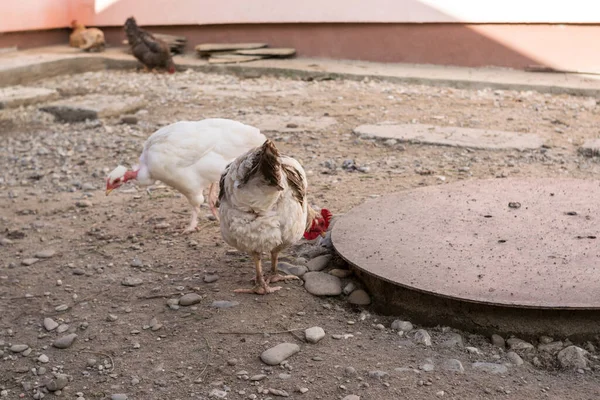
(93, 106)
(17, 96)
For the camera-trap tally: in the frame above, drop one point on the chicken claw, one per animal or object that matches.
(279, 278)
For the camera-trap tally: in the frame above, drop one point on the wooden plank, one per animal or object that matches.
(207, 48)
(269, 52)
(232, 59)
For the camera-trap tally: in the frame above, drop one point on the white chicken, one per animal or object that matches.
(263, 208)
(190, 156)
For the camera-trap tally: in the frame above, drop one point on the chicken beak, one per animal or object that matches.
(108, 191)
(323, 234)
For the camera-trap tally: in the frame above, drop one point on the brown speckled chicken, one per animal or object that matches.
(153, 53)
(264, 209)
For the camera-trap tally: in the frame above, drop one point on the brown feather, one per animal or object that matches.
(222, 185)
(294, 180)
(267, 164)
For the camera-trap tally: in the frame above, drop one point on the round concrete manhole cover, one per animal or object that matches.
(531, 243)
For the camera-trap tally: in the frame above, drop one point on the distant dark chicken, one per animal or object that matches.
(153, 53)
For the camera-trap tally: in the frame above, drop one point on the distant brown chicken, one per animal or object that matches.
(153, 53)
(88, 39)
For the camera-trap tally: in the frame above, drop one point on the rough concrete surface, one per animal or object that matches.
(452, 136)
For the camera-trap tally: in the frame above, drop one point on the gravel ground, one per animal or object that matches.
(101, 298)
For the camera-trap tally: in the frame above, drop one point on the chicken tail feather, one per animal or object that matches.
(267, 164)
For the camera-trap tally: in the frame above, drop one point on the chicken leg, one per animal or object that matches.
(262, 286)
(212, 200)
(275, 277)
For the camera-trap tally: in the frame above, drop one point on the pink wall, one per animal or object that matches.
(19, 15)
(24, 15)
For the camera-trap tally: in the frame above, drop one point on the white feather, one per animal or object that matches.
(191, 155)
(116, 173)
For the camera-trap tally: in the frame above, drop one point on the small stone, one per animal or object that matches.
(132, 281)
(48, 253)
(18, 348)
(84, 204)
(210, 278)
(340, 273)
(546, 339)
(59, 383)
(119, 396)
(91, 362)
(217, 394)
(518, 344)
(514, 358)
(453, 340)
(224, 304)
(43, 359)
(491, 368)
(351, 397)
(65, 342)
(473, 350)
(61, 307)
(404, 326)
(422, 337)
(552, 347)
(112, 317)
(303, 390)
(453, 365)
(427, 366)
(62, 328)
(498, 341)
(136, 263)
(129, 119)
(256, 378)
(440, 393)
(377, 374)
(322, 284)
(349, 288)
(291, 269)
(278, 392)
(314, 334)
(275, 355)
(350, 371)
(573, 357)
(360, 298)
(29, 261)
(319, 263)
(190, 299)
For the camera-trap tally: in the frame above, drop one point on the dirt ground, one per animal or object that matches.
(52, 198)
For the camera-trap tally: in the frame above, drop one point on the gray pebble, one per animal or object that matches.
(65, 342)
(491, 368)
(119, 396)
(190, 299)
(498, 341)
(319, 263)
(377, 374)
(48, 253)
(322, 284)
(131, 281)
(314, 334)
(18, 348)
(275, 355)
(422, 337)
(453, 365)
(58, 384)
(224, 304)
(210, 278)
(514, 358)
(290, 269)
(399, 325)
(359, 297)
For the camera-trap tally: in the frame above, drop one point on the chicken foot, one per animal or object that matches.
(274, 276)
(262, 286)
(193, 226)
